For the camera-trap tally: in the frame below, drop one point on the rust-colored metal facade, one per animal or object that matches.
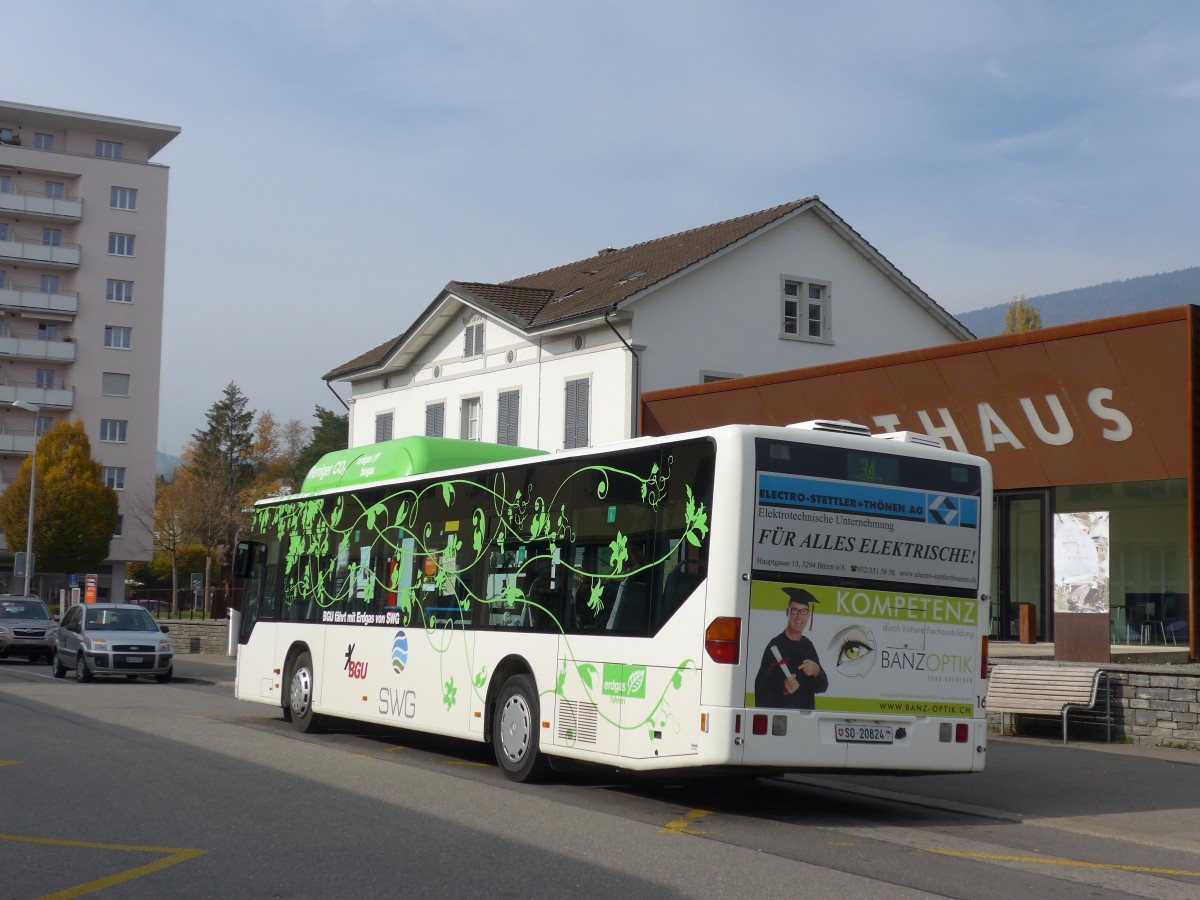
(1095, 402)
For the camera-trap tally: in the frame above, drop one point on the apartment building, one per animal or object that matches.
(83, 222)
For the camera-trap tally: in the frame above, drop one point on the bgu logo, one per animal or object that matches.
(353, 667)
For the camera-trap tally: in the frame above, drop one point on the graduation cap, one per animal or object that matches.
(804, 598)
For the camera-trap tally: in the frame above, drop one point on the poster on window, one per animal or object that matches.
(1081, 554)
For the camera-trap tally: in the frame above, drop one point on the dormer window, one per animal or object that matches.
(473, 343)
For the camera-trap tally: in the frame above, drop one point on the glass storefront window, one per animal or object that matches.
(1148, 555)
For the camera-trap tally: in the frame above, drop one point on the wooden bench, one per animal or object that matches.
(1036, 690)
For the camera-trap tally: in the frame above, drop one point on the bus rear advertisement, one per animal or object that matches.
(776, 599)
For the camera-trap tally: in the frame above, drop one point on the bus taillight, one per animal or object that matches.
(983, 659)
(723, 640)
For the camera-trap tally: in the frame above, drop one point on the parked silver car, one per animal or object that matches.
(26, 628)
(111, 639)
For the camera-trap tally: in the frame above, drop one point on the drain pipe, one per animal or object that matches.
(637, 377)
(336, 394)
(349, 424)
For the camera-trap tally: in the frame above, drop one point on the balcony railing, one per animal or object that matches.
(50, 399)
(17, 346)
(36, 205)
(13, 442)
(52, 256)
(31, 299)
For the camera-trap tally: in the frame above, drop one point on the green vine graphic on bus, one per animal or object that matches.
(428, 555)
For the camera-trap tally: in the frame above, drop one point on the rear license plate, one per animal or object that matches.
(847, 733)
(133, 660)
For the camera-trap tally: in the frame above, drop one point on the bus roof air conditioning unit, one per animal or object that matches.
(840, 426)
(913, 437)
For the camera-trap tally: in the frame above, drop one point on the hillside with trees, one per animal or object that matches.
(1115, 298)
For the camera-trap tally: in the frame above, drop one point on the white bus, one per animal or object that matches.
(772, 598)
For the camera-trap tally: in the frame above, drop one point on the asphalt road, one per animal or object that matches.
(132, 789)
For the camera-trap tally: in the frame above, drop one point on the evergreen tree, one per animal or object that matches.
(75, 513)
(332, 432)
(221, 452)
(217, 475)
(1021, 316)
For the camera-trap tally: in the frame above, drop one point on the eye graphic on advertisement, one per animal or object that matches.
(855, 651)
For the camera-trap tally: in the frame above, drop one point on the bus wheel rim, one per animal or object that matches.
(301, 691)
(515, 728)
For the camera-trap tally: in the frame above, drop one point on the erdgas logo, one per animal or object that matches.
(624, 681)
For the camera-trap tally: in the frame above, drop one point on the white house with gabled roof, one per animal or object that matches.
(559, 358)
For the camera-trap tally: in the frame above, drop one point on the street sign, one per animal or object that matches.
(197, 582)
(19, 563)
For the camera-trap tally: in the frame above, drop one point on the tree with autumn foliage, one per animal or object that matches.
(75, 512)
(1021, 316)
(175, 550)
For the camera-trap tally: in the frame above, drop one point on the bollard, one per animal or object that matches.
(1028, 623)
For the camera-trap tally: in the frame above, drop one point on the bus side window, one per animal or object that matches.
(685, 578)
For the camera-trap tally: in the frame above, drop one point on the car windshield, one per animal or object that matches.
(120, 620)
(23, 609)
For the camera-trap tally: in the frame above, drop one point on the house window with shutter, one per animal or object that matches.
(575, 434)
(473, 342)
(805, 312)
(509, 403)
(435, 420)
(383, 427)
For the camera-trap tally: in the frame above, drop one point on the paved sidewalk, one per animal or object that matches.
(205, 668)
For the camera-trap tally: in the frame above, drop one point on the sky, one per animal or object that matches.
(341, 160)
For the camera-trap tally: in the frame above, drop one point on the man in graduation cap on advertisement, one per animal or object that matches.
(790, 675)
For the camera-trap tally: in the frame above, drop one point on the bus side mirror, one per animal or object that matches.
(245, 555)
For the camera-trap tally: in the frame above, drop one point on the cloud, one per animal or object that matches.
(341, 160)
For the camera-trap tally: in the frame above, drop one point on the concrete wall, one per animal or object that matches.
(209, 636)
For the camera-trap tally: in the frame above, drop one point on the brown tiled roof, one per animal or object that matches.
(523, 303)
(602, 282)
(370, 359)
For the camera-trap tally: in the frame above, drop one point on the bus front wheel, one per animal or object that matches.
(300, 695)
(515, 731)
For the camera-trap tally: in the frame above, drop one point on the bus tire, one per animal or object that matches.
(300, 695)
(515, 727)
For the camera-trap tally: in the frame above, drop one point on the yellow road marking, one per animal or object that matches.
(1143, 870)
(9, 762)
(680, 826)
(459, 762)
(175, 855)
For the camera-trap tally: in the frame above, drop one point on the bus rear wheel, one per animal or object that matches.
(515, 731)
(300, 695)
